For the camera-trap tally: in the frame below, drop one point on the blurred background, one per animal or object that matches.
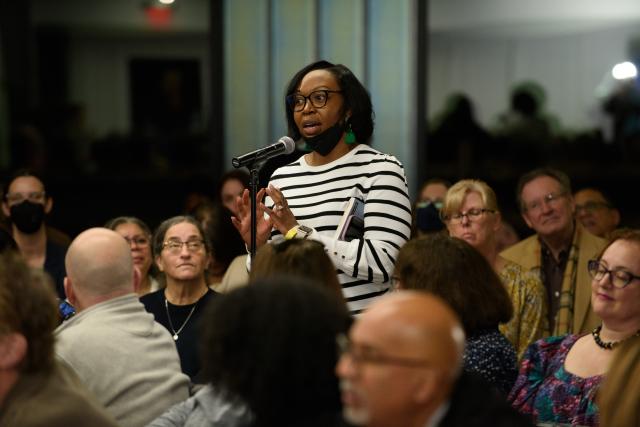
(137, 106)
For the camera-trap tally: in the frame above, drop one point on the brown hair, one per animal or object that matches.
(619, 397)
(297, 257)
(629, 234)
(453, 270)
(28, 307)
(561, 177)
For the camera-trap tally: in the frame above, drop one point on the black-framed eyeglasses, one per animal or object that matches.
(472, 215)
(318, 99)
(618, 277)
(366, 354)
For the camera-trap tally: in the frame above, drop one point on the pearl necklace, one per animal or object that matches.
(610, 345)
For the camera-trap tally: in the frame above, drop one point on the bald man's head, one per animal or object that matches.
(406, 352)
(422, 322)
(99, 264)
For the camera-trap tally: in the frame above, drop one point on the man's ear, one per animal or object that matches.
(426, 387)
(526, 220)
(13, 350)
(616, 216)
(69, 291)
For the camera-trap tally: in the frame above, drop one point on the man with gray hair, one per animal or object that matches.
(402, 366)
(117, 349)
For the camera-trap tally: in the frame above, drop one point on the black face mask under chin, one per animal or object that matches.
(27, 216)
(326, 141)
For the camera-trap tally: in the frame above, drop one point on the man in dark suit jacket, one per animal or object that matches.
(402, 364)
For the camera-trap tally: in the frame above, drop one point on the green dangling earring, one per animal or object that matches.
(350, 137)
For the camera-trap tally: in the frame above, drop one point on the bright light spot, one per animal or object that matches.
(624, 70)
(166, 1)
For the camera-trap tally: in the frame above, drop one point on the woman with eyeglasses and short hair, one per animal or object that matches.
(328, 108)
(182, 253)
(138, 236)
(560, 376)
(471, 213)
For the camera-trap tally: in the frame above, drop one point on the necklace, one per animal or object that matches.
(176, 333)
(611, 344)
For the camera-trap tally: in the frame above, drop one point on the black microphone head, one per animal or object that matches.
(289, 144)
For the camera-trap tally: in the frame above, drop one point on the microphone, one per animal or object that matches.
(285, 145)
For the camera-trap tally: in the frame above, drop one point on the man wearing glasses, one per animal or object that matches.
(26, 203)
(596, 212)
(402, 366)
(559, 251)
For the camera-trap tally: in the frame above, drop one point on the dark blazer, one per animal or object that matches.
(475, 403)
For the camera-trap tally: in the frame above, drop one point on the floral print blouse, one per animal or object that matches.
(545, 390)
(529, 322)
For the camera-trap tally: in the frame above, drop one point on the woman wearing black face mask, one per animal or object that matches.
(26, 203)
(328, 108)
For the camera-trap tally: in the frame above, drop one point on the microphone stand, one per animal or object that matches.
(254, 183)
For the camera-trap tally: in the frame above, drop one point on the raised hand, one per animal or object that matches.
(242, 221)
(281, 216)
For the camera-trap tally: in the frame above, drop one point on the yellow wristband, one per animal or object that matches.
(291, 233)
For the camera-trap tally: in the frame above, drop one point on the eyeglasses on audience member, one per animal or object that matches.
(619, 278)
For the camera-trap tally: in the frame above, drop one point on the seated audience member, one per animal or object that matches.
(226, 246)
(297, 257)
(402, 366)
(560, 376)
(596, 212)
(231, 185)
(506, 236)
(26, 203)
(471, 213)
(182, 253)
(559, 251)
(619, 397)
(138, 236)
(269, 353)
(123, 356)
(463, 278)
(35, 390)
(426, 210)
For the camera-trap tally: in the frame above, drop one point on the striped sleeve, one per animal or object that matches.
(318, 197)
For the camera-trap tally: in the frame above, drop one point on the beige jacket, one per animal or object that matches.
(586, 246)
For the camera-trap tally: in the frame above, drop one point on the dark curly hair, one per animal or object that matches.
(456, 272)
(356, 98)
(271, 346)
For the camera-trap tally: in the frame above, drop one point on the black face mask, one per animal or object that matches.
(326, 141)
(428, 218)
(27, 216)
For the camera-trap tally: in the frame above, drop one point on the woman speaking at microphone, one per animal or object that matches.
(331, 111)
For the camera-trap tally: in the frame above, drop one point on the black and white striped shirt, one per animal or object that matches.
(318, 196)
